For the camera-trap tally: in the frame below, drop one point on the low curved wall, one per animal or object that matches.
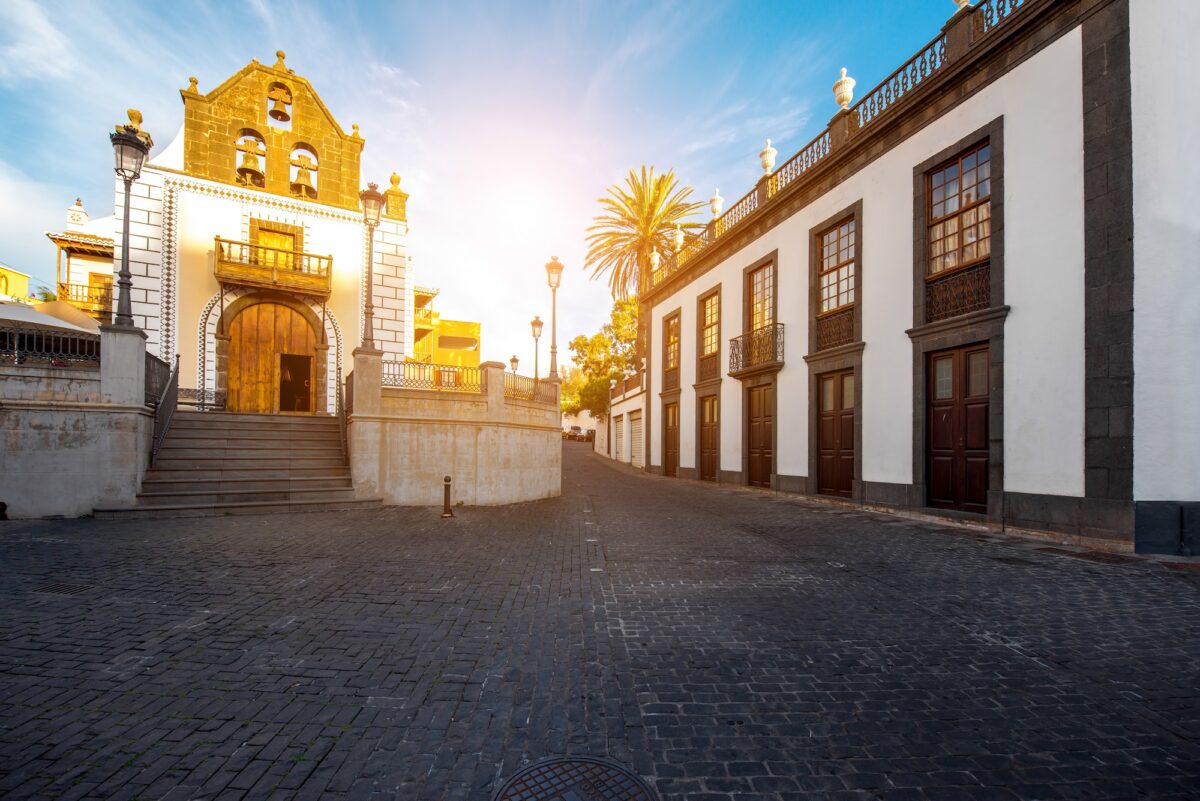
(496, 450)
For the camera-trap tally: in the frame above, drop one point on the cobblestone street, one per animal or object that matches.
(723, 643)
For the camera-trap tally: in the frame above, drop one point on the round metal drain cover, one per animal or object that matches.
(575, 779)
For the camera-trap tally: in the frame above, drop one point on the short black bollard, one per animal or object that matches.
(3, 510)
(446, 498)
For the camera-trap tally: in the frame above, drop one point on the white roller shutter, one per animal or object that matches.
(635, 434)
(619, 428)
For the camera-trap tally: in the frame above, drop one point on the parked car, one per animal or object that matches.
(575, 433)
(591, 435)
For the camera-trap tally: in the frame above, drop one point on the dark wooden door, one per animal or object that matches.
(761, 424)
(957, 447)
(710, 423)
(671, 439)
(835, 434)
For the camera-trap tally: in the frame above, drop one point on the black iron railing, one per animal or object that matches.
(342, 415)
(757, 349)
(520, 387)
(438, 377)
(164, 407)
(203, 399)
(158, 373)
(35, 347)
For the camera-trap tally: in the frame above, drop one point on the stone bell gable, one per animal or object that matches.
(266, 128)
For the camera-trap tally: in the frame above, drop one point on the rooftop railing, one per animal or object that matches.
(986, 17)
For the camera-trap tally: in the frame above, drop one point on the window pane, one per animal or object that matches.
(827, 388)
(943, 378)
(977, 368)
(848, 391)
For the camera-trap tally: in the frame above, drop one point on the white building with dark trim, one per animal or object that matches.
(973, 294)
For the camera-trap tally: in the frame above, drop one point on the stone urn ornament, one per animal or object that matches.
(678, 238)
(716, 202)
(766, 157)
(843, 90)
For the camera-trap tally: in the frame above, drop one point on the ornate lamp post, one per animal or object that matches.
(554, 270)
(514, 361)
(130, 146)
(536, 326)
(373, 203)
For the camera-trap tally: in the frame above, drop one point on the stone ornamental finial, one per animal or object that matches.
(395, 180)
(678, 238)
(279, 65)
(193, 82)
(767, 157)
(655, 260)
(962, 4)
(843, 90)
(716, 202)
(354, 131)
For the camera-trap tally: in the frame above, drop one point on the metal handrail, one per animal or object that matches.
(343, 418)
(437, 377)
(158, 373)
(48, 348)
(164, 413)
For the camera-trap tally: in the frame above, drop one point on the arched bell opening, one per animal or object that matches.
(304, 171)
(279, 106)
(251, 167)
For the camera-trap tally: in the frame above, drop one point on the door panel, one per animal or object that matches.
(671, 439)
(761, 424)
(958, 436)
(835, 434)
(709, 437)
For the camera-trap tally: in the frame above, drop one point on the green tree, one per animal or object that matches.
(637, 219)
(45, 294)
(606, 356)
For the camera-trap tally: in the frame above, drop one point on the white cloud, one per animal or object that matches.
(32, 46)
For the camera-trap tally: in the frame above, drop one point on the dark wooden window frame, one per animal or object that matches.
(715, 292)
(295, 231)
(853, 211)
(674, 318)
(772, 259)
(930, 221)
(985, 325)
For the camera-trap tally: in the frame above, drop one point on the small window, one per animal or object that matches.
(960, 212)
(848, 391)
(710, 324)
(977, 373)
(837, 279)
(828, 391)
(943, 378)
(671, 343)
(762, 297)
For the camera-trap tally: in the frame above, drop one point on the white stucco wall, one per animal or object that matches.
(1166, 247)
(1043, 196)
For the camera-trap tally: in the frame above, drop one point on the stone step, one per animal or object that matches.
(244, 508)
(154, 485)
(225, 497)
(248, 473)
(267, 420)
(242, 462)
(179, 450)
(254, 434)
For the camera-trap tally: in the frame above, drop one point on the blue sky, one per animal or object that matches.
(506, 119)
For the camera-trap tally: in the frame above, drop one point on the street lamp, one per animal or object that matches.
(554, 270)
(373, 203)
(130, 146)
(513, 361)
(536, 326)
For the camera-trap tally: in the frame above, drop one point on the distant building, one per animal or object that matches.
(437, 340)
(14, 284)
(84, 263)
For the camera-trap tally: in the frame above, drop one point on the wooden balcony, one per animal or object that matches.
(757, 352)
(248, 264)
(94, 300)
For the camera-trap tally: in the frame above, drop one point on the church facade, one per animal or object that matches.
(249, 250)
(968, 296)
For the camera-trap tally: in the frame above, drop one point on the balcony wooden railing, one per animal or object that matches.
(759, 351)
(898, 89)
(95, 300)
(632, 383)
(272, 268)
(423, 317)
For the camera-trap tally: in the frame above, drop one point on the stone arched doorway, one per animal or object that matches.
(274, 356)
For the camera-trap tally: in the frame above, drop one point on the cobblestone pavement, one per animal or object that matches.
(725, 644)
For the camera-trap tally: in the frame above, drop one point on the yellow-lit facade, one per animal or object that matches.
(14, 284)
(441, 341)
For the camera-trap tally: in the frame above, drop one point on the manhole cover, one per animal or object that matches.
(575, 779)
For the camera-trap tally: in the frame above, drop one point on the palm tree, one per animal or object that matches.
(638, 218)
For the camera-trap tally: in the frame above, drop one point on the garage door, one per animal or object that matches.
(619, 428)
(635, 436)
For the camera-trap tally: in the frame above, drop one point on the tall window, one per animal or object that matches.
(837, 279)
(710, 325)
(762, 297)
(960, 212)
(671, 343)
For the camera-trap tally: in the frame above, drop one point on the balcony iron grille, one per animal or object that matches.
(760, 348)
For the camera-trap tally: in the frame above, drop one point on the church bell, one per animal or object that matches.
(302, 184)
(249, 172)
(279, 110)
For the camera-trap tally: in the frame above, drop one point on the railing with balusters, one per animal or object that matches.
(438, 377)
(96, 300)
(987, 16)
(37, 347)
(260, 265)
(520, 387)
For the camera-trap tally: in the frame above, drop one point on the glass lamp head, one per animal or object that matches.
(373, 203)
(536, 325)
(129, 152)
(554, 270)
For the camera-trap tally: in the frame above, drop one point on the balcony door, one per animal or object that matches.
(272, 351)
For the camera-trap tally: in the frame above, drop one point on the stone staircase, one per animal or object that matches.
(218, 463)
